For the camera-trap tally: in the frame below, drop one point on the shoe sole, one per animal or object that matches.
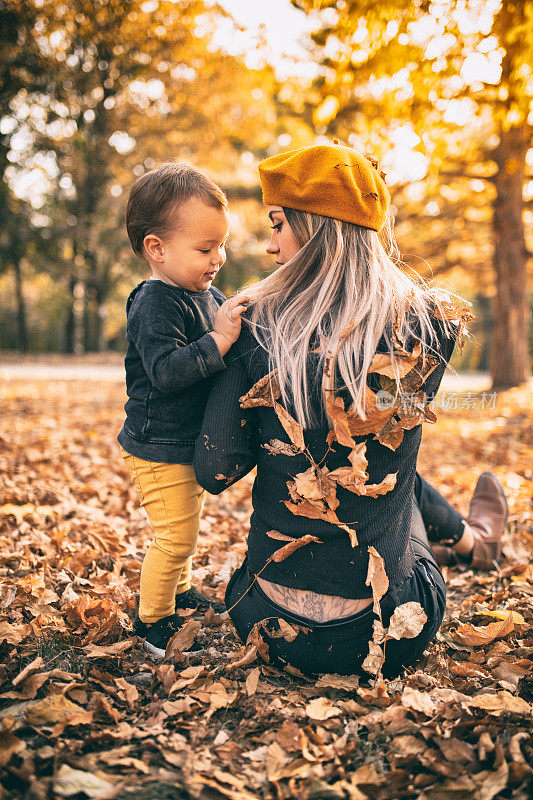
(500, 487)
(222, 614)
(157, 654)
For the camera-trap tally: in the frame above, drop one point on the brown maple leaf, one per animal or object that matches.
(354, 477)
(316, 509)
(315, 484)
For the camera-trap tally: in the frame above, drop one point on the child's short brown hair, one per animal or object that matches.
(155, 199)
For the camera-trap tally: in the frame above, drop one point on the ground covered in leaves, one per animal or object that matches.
(84, 714)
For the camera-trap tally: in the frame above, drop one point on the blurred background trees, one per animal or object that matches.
(455, 79)
(95, 93)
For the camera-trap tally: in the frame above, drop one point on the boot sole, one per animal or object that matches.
(222, 614)
(500, 487)
(157, 654)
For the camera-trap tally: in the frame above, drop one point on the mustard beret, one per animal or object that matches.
(331, 180)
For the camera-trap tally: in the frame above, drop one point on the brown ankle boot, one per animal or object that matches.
(487, 518)
(445, 556)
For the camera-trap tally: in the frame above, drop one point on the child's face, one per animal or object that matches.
(192, 254)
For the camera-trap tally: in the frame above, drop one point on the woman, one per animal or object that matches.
(325, 391)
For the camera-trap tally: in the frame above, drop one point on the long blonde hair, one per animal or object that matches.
(343, 275)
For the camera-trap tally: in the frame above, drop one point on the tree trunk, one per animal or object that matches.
(70, 324)
(22, 327)
(484, 309)
(510, 364)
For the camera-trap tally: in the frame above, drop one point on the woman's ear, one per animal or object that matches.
(153, 246)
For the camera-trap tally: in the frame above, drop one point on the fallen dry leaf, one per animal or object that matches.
(252, 680)
(320, 708)
(475, 636)
(347, 683)
(182, 640)
(289, 632)
(341, 426)
(311, 510)
(415, 700)
(81, 718)
(315, 484)
(501, 614)
(500, 703)
(32, 667)
(85, 536)
(128, 692)
(71, 782)
(9, 745)
(403, 363)
(51, 709)
(117, 649)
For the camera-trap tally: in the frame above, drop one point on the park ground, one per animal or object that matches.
(84, 714)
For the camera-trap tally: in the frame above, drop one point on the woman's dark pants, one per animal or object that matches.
(341, 646)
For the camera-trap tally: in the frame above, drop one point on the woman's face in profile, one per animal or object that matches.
(283, 242)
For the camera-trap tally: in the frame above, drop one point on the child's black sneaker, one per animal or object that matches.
(192, 598)
(157, 635)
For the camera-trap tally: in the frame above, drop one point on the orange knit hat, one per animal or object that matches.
(331, 180)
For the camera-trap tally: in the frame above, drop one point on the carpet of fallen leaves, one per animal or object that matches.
(85, 714)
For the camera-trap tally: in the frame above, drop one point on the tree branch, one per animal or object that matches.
(243, 192)
(458, 174)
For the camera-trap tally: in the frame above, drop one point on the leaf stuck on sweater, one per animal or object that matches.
(376, 577)
(382, 363)
(407, 621)
(316, 484)
(285, 630)
(277, 448)
(281, 537)
(292, 428)
(263, 393)
(341, 426)
(374, 660)
(295, 544)
(311, 511)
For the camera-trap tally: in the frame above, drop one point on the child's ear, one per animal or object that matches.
(153, 247)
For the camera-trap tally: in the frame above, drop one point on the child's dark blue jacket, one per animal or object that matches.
(170, 359)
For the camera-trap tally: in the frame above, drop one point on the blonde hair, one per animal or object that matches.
(343, 275)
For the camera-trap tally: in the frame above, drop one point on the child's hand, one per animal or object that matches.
(227, 325)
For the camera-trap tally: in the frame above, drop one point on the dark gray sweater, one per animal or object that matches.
(170, 359)
(230, 445)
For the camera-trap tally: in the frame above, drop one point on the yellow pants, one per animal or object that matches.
(173, 501)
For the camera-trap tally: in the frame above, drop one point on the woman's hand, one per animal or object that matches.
(227, 325)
